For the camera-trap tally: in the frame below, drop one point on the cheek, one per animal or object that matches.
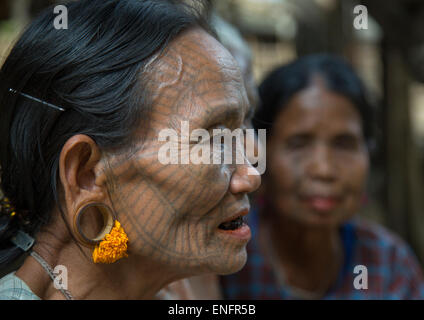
(211, 183)
(282, 181)
(356, 174)
(354, 177)
(283, 172)
(187, 188)
(159, 204)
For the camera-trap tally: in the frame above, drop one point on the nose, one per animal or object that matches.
(245, 179)
(321, 166)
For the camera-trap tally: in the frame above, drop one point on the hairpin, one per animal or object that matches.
(37, 100)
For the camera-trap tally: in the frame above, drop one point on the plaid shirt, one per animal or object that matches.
(393, 270)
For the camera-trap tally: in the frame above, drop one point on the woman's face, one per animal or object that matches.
(317, 160)
(172, 212)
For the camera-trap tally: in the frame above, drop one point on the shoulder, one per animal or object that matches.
(389, 260)
(13, 288)
(373, 237)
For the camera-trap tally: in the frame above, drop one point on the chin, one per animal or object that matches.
(225, 265)
(330, 220)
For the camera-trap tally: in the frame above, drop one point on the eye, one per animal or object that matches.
(244, 128)
(298, 141)
(248, 118)
(217, 139)
(346, 142)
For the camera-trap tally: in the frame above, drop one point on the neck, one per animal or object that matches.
(128, 278)
(304, 257)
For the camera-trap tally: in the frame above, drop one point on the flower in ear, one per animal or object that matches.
(113, 246)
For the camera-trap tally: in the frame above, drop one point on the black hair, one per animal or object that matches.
(94, 70)
(285, 81)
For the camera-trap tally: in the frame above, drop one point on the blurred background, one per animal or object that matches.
(388, 55)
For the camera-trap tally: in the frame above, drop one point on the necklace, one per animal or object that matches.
(25, 242)
(50, 272)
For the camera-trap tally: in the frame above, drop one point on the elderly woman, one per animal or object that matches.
(84, 190)
(308, 243)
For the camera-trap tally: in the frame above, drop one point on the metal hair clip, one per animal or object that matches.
(37, 100)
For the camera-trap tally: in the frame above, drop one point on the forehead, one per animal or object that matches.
(317, 108)
(195, 78)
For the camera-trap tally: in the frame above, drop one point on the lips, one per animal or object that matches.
(234, 222)
(322, 203)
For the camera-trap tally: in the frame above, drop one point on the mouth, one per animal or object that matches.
(322, 203)
(233, 224)
(236, 227)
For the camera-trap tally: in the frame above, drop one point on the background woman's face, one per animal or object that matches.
(317, 161)
(172, 212)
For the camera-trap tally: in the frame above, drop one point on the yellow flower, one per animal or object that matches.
(113, 246)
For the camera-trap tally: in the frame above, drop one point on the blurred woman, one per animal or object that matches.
(308, 243)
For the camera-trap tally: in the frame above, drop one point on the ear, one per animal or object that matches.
(79, 172)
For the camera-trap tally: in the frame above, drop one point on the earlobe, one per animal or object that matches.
(110, 243)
